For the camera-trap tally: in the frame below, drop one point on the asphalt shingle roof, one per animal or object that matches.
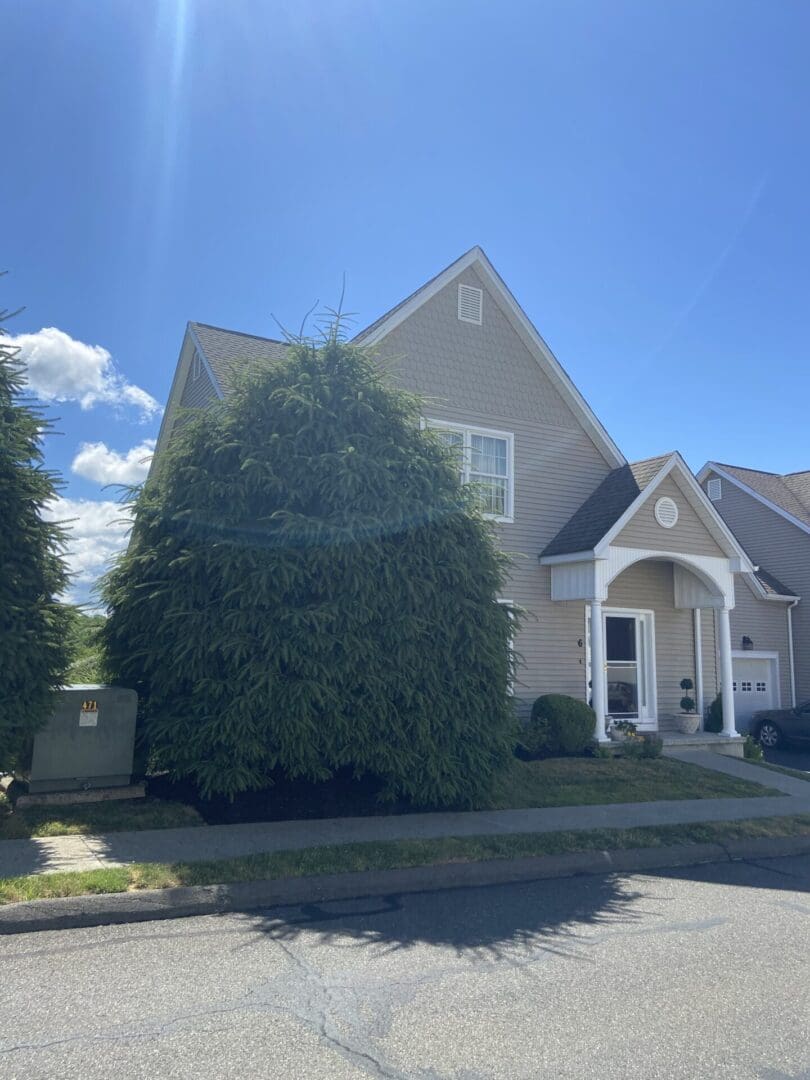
(618, 491)
(773, 586)
(790, 492)
(229, 350)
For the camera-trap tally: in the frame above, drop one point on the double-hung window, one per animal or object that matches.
(486, 459)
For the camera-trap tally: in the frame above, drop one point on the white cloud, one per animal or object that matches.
(59, 368)
(96, 461)
(97, 531)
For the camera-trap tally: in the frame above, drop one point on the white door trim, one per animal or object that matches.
(650, 675)
(763, 654)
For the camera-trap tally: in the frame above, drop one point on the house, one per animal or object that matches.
(769, 515)
(625, 569)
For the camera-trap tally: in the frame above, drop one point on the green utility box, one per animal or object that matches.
(89, 740)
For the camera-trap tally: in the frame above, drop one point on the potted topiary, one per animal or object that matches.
(688, 720)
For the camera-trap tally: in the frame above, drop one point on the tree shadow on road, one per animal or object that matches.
(494, 919)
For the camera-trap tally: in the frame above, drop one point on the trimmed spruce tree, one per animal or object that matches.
(33, 624)
(309, 587)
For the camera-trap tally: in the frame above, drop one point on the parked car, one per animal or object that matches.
(776, 726)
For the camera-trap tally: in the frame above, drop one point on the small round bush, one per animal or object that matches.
(560, 725)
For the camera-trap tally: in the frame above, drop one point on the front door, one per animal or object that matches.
(629, 665)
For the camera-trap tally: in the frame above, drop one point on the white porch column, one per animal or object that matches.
(598, 669)
(726, 672)
(699, 665)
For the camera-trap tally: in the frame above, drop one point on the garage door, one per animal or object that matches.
(754, 688)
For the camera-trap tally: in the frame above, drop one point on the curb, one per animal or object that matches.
(72, 912)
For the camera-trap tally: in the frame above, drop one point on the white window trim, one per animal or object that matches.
(650, 722)
(472, 429)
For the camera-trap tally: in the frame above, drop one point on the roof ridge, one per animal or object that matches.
(747, 468)
(240, 333)
(654, 457)
(387, 314)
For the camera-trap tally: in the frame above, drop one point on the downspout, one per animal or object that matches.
(699, 666)
(791, 606)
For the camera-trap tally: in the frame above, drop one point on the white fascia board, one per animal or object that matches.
(178, 383)
(712, 466)
(525, 329)
(570, 557)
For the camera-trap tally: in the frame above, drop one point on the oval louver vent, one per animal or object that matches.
(470, 303)
(666, 512)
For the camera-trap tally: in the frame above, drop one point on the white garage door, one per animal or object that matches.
(754, 688)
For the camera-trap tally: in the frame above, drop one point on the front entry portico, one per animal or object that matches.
(649, 555)
(622, 643)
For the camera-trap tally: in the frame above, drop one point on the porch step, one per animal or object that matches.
(703, 740)
(667, 724)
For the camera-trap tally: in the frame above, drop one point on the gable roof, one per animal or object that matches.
(788, 494)
(477, 258)
(602, 509)
(223, 351)
(227, 350)
(617, 499)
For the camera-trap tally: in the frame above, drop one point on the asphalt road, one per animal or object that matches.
(690, 973)
(791, 757)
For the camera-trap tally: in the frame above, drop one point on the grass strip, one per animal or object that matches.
(797, 773)
(395, 854)
(94, 818)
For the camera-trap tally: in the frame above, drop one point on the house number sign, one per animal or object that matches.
(88, 715)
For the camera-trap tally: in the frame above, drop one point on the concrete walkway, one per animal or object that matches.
(53, 854)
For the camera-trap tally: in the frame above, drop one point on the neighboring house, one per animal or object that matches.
(770, 516)
(624, 569)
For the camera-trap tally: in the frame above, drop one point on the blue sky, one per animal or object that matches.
(638, 173)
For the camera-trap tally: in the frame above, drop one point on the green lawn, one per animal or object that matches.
(97, 817)
(594, 781)
(523, 784)
(385, 856)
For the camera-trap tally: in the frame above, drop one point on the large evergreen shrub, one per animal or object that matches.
(33, 653)
(308, 587)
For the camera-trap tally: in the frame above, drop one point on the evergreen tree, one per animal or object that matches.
(33, 654)
(309, 587)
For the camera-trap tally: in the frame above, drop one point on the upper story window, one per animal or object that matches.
(486, 459)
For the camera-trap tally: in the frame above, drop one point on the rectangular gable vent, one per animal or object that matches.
(196, 366)
(470, 303)
(715, 489)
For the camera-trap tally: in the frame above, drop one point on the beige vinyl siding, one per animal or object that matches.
(649, 585)
(197, 392)
(690, 535)
(486, 377)
(765, 622)
(711, 659)
(781, 548)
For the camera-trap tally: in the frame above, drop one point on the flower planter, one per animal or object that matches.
(688, 723)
